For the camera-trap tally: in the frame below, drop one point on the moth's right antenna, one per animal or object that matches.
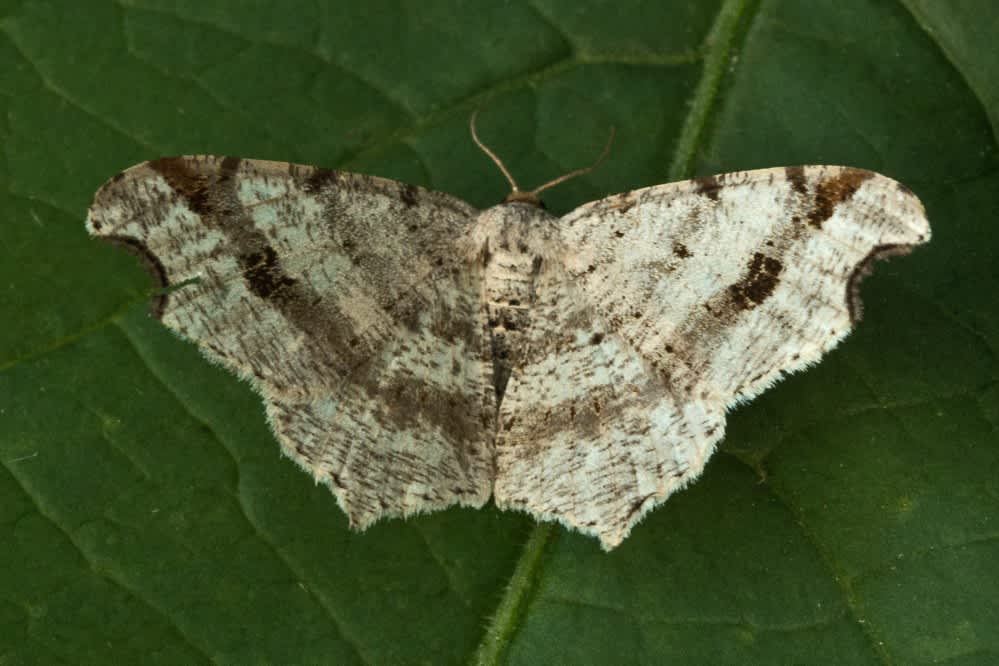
(496, 160)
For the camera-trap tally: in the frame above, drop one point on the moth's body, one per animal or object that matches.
(414, 352)
(511, 241)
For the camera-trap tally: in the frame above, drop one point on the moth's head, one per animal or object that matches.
(519, 196)
(516, 217)
(530, 198)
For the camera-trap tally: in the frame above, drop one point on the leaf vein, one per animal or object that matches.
(320, 599)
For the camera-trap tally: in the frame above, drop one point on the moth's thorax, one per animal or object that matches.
(513, 241)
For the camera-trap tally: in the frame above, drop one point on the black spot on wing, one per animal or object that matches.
(796, 176)
(759, 282)
(623, 202)
(708, 186)
(321, 180)
(263, 273)
(199, 188)
(191, 185)
(832, 191)
(409, 194)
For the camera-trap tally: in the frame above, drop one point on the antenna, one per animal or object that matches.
(516, 194)
(578, 172)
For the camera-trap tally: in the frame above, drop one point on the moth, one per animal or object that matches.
(413, 352)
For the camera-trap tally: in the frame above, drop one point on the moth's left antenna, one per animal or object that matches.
(579, 172)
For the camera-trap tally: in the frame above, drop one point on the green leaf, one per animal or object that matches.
(146, 514)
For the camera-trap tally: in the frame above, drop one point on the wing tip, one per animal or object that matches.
(912, 228)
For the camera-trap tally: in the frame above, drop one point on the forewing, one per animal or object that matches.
(340, 297)
(725, 284)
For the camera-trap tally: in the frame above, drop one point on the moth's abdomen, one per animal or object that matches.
(509, 297)
(513, 240)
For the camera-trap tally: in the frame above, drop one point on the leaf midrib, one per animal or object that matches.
(730, 24)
